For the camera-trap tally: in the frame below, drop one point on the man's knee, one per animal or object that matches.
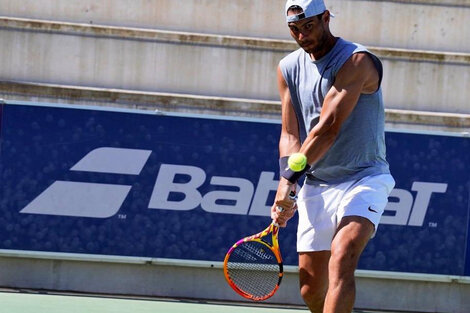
(348, 245)
(344, 255)
(343, 263)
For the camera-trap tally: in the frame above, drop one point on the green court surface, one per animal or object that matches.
(19, 302)
(42, 302)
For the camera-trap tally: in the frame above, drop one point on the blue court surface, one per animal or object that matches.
(30, 301)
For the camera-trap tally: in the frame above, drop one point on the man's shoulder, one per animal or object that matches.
(291, 59)
(352, 47)
(360, 52)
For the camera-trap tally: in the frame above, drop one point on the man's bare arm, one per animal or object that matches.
(358, 75)
(290, 141)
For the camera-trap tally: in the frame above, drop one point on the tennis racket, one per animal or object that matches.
(253, 265)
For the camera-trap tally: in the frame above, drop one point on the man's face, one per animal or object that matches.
(309, 33)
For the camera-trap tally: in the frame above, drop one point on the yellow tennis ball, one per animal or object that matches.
(297, 162)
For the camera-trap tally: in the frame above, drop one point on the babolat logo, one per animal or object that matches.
(95, 200)
(409, 211)
(245, 255)
(260, 253)
(79, 199)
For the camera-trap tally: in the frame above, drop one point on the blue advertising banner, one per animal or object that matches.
(137, 184)
(1, 114)
(425, 226)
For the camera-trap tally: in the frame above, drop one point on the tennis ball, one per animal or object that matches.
(297, 162)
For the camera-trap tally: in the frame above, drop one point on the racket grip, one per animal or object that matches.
(280, 209)
(292, 195)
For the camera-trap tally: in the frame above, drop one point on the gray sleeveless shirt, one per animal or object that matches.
(359, 149)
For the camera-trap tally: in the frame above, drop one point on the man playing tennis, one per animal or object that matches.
(333, 113)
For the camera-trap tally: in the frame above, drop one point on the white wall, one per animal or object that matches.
(423, 24)
(80, 55)
(205, 280)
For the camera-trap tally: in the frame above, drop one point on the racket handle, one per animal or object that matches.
(293, 196)
(280, 209)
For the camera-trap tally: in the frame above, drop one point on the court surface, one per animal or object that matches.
(14, 301)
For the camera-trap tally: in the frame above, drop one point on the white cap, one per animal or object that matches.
(310, 8)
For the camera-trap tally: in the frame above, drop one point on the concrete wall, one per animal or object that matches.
(203, 280)
(222, 66)
(193, 104)
(423, 24)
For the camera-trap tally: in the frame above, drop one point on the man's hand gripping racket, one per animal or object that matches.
(253, 265)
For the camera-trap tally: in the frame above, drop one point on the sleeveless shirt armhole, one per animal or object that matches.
(375, 60)
(283, 70)
(379, 67)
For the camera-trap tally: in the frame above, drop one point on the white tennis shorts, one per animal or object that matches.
(321, 208)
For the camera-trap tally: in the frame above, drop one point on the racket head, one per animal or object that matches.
(253, 266)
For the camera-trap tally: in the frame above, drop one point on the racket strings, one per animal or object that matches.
(254, 269)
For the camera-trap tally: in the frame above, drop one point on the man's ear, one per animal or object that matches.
(326, 16)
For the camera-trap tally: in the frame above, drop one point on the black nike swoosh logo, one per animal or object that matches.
(372, 210)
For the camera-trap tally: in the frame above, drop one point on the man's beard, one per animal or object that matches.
(318, 47)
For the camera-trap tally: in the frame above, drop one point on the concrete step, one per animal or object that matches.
(192, 104)
(209, 65)
(438, 25)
